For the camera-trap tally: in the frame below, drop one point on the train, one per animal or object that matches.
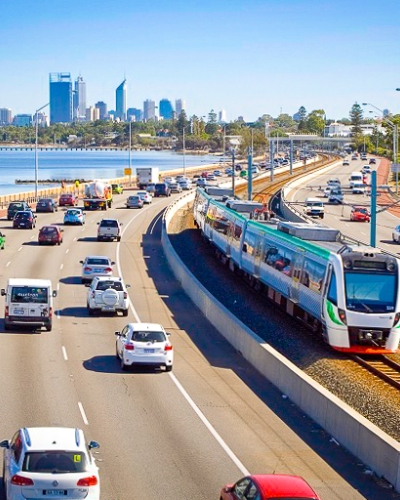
(343, 289)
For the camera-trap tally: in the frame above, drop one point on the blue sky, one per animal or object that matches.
(247, 57)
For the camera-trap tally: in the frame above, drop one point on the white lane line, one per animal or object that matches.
(75, 238)
(195, 408)
(19, 249)
(31, 238)
(67, 250)
(152, 227)
(58, 286)
(62, 265)
(8, 263)
(84, 418)
(64, 351)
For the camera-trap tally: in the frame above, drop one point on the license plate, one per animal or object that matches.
(22, 224)
(97, 270)
(55, 493)
(149, 351)
(18, 311)
(108, 308)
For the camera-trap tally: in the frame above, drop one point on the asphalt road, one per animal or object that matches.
(177, 436)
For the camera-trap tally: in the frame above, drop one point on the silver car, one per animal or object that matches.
(175, 187)
(96, 265)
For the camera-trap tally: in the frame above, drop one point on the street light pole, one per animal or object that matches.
(36, 149)
(130, 151)
(233, 170)
(184, 151)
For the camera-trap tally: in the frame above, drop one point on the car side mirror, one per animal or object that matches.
(168, 334)
(121, 224)
(98, 223)
(3, 292)
(128, 286)
(5, 444)
(118, 334)
(112, 263)
(54, 293)
(81, 262)
(93, 444)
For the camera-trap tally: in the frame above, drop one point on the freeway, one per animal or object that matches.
(180, 435)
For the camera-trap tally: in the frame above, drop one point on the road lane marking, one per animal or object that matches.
(62, 265)
(84, 418)
(67, 250)
(181, 389)
(64, 351)
(8, 263)
(58, 286)
(31, 238)
(152, 227)
(19, 249)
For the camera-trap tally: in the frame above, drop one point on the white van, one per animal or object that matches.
(314, 208)
(355, 177)
(29, 302)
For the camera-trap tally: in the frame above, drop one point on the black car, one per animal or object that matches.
(46, 205)
(162, 189)
(16, 206)
(24, 219)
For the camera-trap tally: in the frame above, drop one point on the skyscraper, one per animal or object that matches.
(180, 105)
(5, 116)
(222, 116)
(60, 98)
(79, 99)
(149, 110)
(135, 115)
(102, 106)
(166, 109)
(121, 101)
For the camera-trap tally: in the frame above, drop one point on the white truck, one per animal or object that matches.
(314, 208)
(98, 196)
(146, 175)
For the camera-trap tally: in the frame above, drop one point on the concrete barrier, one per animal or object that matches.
(363, 439)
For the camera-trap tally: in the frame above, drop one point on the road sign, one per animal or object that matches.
(395, 167)
(127, 171)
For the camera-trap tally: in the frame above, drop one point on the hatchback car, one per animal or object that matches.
(134, 201)
(96, 265)
(145, 196)
(366, 169)
(68, 200)
(46, 205)
(24, 220)
(109, 230)
(269, 486)
(144, 344)
(74, 216)
(108, 294)
(50, 462)
(335, 196)
(16, 206)
(175, 187)
(51, 235)
(360, 214)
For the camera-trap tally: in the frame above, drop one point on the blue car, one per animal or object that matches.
(74, 216)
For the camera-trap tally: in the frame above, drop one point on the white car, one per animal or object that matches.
(96, 265)
(144, 344)
(108, 294)
(50, 462)
(396, 234)
(327, 191)
(169, 179)
(145, 196)
(366, 169)
(109, 229)
(185, 184)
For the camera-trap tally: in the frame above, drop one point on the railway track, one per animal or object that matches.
(382, 367)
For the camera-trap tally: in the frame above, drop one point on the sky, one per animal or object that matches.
(248, 57)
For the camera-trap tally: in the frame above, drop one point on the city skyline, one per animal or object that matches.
(248, 58)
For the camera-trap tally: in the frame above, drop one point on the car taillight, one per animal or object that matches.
(50, 312)
(168, 347)
(108, 270)
(129, 347)
(125, 295)
(21, 480)
(87, 481)
(87, 269)
(6, 312)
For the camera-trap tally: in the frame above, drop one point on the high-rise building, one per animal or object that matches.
(92, 114)
(180, 105)
(135, 115)
(79, 99)
(102, 107)
(149, 110)
(166, 109)
(121, 101)
(22, 120)
(5, 116)
(222, 116)
(60, 98)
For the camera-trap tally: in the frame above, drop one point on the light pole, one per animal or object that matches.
(130, 151)
(234, 143)
(36, 149)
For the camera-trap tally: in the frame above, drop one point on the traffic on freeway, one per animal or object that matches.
(194, 419)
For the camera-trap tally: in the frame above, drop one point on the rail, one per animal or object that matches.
(382, 367)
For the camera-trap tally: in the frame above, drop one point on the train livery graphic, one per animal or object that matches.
(346, 290)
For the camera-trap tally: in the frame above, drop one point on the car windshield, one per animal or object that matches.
(61, 462)
(370, 292)
(109, 223)
(148, 336)
(98, 262)
(72, 212)
(16, 206)
(22, 215)
(48, 230)
(29, 294)
(133, 198)
(105, 285)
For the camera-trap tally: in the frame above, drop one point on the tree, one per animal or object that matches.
(284, 121)
(315, 121)
(212, 124)
(302, 114)
(356, 117)
(182, 122)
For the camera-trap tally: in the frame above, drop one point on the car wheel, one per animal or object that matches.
(90, 311)
(168, 368)
(48, 328)
(119, 238)
(116, 352)
(7, 327)
(125, 312)
(124, 367)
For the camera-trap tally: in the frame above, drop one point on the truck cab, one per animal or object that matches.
(314, 208)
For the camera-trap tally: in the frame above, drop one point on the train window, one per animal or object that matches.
(280, 259)
(221, 222)
(332, 291)
(250, 242)
(312, 276)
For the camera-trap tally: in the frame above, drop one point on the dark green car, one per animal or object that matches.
(117, 188)
(2, 240)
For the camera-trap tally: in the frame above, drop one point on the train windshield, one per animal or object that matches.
(370, 293)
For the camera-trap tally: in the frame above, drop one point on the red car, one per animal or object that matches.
(269, 486)
(50, 235)
(360, 214)
(68, 200)
(204, 175)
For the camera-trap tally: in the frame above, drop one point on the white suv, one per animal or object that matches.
(109, 229)
(108, 294)
(50, 462)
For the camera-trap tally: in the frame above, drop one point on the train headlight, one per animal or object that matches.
(342, 316)
(396, 319)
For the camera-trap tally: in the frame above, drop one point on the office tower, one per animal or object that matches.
(22, 120)
(166, 109)
(120, 100)
(222, 116)
(79, 99)
(60, 98)
(149, 110)
(5, 116)
(135, 115)
(92, 114)
(102, 107)
(180, 105)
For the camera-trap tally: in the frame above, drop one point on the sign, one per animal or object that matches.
(395, 167)
(127, 171)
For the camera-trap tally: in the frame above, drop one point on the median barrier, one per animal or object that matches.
(363, 439)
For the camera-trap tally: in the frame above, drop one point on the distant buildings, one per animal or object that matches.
(149, 110)
(166, 110)
(135, 115)
(79, 100)
(92, 114)
(60, 98)
(102, 107)
(222, 116)
(180, 105)
(5, 116)
(22, 120)
(121, 101)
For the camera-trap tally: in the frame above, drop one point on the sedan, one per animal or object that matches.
(145, 196)
(96, 265)
(345, 162)
(134, 201)
(51, 235)
(269, 486)
(360, 214)
(211, 177)
(144, 344)
(24, 219)
(185, 184)
(68, 199)
(74, 216)
(175, 187)
(46, 205)
(372, 161)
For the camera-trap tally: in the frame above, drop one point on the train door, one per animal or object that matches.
(258, 251)
(298, 263)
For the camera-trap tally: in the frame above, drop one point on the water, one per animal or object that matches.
(70, 164)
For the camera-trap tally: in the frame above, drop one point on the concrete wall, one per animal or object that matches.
(370, 445)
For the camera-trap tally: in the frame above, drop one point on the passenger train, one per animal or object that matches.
(343, 289)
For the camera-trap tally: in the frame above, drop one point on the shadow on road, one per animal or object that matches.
(111, 364)
(71, 280)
